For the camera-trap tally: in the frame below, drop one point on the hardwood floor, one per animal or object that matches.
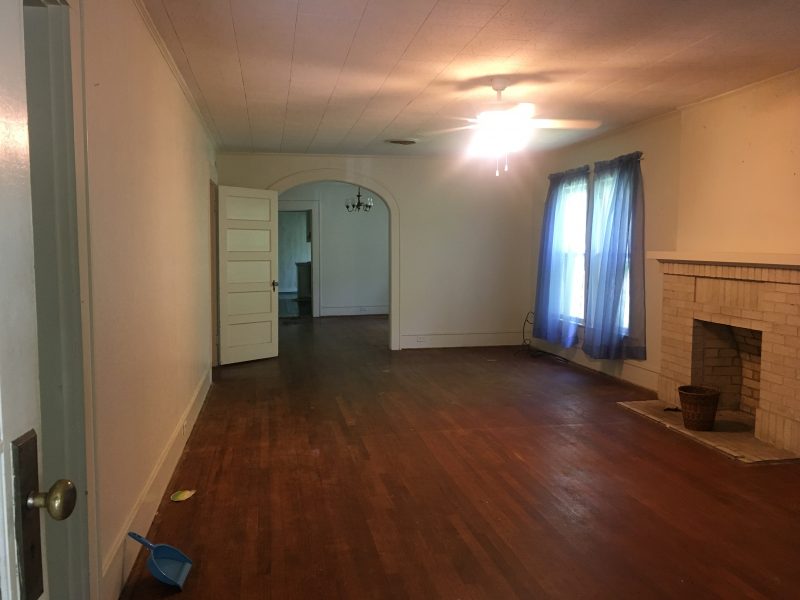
(344, 470)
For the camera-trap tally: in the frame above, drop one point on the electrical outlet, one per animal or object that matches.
(420, 339)
(183, 429)
(362, 309)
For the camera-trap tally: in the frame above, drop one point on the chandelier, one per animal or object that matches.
(357, 204)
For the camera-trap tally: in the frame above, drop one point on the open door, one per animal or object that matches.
(248, 268)
(56, 236)
(36, 412)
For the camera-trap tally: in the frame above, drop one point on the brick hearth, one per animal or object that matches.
(765, 299)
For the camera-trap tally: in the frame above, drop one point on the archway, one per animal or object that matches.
(353, 178)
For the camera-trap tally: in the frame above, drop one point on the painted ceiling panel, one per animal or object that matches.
(205, 30)
(440, 41)
(265, 37)
(160, 17)
(461, 13)
(343, 75)
(347, 9)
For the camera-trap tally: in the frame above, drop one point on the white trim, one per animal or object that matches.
(458, 340)
(632, 371)
(179, 78)
(118, 563)
(84, 268)
(740, 90)
(726, 258)
(355, 178)
(339, 311)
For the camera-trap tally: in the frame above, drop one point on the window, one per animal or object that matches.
(571, 221)
(562, 257)
(611, 306)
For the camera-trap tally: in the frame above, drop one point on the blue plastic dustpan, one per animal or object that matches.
(166, 563)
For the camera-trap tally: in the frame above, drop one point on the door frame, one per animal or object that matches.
(82, 200)
(214, 245)
(303, 206)
(359, 179)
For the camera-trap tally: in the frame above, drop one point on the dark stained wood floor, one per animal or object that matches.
(344, 470)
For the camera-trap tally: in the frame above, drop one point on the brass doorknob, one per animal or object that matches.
(59, 500)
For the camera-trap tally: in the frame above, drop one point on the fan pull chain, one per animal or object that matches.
(497, 166)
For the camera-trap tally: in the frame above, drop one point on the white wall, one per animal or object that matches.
(464, 237)
(149, 164)
(354, 249)
(721, 175)
(293, 247)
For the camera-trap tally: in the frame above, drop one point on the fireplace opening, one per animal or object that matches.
(728, 358)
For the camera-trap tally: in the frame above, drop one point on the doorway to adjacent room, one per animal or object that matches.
(333, 258)
(295, 264)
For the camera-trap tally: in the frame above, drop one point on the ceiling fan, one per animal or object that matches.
(504, 128)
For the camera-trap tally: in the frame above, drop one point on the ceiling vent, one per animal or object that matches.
(403, 142)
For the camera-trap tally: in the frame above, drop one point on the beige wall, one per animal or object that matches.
(722, 175)
(464, 238)
(149, 163)
(740, 170)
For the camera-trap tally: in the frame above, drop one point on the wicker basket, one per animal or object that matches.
(698, 406)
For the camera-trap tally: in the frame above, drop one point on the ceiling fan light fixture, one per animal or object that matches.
(524, 110)
(501, 132)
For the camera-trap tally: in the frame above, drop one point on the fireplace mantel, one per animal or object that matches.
(750, 259)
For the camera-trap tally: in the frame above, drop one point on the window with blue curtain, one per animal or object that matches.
(615, 311)
(608, 257)
(560, 283)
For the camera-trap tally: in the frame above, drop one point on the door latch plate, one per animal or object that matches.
(28, 530)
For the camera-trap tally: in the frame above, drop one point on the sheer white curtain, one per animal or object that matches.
(615, 311)
(559, 305)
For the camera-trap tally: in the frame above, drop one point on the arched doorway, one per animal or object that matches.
(339, 175)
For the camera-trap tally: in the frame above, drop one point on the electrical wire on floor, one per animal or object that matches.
(527, 342)
(525, 346)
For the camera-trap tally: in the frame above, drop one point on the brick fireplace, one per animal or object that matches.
(734, 325)
(728, 358)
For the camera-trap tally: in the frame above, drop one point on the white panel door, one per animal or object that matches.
(248, 271)
(19, 375)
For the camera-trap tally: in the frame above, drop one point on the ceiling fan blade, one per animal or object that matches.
(482, 81)
(448, 130)
(566, 123)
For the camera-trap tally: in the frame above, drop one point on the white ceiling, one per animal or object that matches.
(341, 76)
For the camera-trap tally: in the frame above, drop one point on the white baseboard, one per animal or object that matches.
(119, 561)
(349, 311)
(635, 372)
(455, 340)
